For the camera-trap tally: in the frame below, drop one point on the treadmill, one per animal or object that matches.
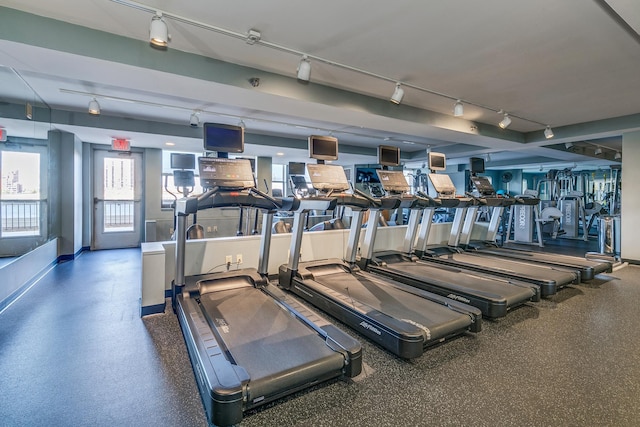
(549, 279)
(586, 268)
(400, 318)
(494, 296)
(248, 342)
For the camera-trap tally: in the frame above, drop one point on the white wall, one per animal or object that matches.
(21, 271)
(208, 255)
(630, 212)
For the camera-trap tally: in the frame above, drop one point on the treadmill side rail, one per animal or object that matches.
(220, 382)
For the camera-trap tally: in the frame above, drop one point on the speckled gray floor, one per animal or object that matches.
(74, 352)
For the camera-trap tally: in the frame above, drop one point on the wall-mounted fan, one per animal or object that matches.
(507, 177)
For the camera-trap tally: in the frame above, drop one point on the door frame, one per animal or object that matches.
(97, 174)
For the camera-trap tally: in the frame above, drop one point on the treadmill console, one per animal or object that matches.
(483, 185)
(328, 177)
(393, 181)
(225, 173)
(443, 185)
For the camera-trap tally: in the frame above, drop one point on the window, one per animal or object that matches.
(20, 195)
(278, 183)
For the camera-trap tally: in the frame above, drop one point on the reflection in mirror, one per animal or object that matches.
(24, 167)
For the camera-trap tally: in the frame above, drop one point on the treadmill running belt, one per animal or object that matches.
(278, 350)
(463, 282)
(440, 320)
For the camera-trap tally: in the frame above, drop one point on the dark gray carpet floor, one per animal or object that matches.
(74, 352)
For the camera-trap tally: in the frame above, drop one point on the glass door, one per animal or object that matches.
(117, 190)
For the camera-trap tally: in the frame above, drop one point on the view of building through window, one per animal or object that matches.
(20, 194)
(118, 194)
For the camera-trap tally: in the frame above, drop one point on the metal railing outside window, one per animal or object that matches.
(20, 217)
(118, 215)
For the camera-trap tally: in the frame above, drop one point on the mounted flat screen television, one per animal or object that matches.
(476, 164)
(296, 168)
(323, 147)
(388, 156)
(183, 161)
(366, 175)
(437, 162)
(223, 138)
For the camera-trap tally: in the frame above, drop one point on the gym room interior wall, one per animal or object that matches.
(630, 211)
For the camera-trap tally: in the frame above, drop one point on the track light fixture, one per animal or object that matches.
(487, 157)
(458, 109)
(548, 132)
(598, 151)
(618, 156)
(568, 145)
(158, 31)
(159, 37)
(304, 69)
(194, 120)
(505, 122)
(398, 94)
(241, 124)
(94, 107)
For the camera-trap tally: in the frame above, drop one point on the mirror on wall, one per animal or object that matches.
(25, 121)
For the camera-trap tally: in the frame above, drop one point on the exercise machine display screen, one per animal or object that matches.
(328, 177)
(225, 173)
(483, 185)
(393, 181)
(182, 178)
(443, 185)
(183, 161)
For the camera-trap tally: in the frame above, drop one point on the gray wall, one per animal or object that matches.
(70, 189)
(630, 209)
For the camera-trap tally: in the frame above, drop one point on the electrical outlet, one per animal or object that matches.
(239, 259)
(208, 229)
(215, 228)
(228, 259)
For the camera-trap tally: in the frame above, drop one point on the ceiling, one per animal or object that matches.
(572, 65)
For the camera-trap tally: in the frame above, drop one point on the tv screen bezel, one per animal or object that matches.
(388, 148)
(434, 155)
(476, 160)
(210, 146)
(300, 171)
(312, 152)
(177, 160)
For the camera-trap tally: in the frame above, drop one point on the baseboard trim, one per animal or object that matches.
(152, 309)
(71, 257)
(7, 302)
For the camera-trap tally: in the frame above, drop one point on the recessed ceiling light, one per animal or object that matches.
(170, 144)
(279, 153)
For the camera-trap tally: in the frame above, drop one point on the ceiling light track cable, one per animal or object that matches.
(254, 37)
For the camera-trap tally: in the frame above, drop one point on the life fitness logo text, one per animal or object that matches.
(370, 327)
